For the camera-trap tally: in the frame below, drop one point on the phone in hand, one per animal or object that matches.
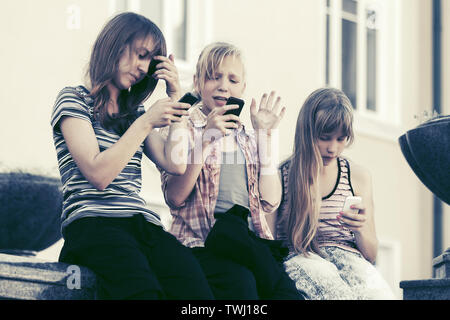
(188, 98)
(239, 102)
(349, 201)
(152, 66)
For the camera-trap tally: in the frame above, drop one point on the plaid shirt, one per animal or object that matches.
(194, 219)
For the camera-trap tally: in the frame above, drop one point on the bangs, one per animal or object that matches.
(211, 58)
(334, 119)
(216, 59)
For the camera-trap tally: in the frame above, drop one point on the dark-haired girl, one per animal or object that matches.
(100, 132)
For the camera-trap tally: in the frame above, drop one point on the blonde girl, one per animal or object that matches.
(227, 175)
(332, 251)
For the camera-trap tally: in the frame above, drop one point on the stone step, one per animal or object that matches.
(429, 289)
(26, 277)
(437, 288)
(441, 265)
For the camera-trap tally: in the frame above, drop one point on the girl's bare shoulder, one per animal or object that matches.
(360, 176)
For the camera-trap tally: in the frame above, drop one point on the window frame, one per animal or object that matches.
(385, 120)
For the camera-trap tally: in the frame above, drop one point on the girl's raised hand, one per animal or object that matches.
(268, 115)
(167, 71)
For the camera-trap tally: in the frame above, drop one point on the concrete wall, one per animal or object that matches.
(39, 56)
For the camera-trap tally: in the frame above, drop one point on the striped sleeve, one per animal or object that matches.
(69, 103)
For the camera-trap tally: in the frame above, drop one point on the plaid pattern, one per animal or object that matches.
(194, 219)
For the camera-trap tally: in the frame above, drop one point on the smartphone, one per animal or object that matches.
(349, 201)
(233, 100)
(152, 66)
(188, 98)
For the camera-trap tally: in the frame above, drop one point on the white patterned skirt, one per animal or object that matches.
(339, 275)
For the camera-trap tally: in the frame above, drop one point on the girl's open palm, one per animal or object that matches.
(268, 115)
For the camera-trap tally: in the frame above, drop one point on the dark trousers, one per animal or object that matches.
(231, 240)
(228, 280)
(134, 259)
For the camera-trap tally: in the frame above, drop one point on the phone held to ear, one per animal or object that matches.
(349, 201)
(152, 66)
(239, 102)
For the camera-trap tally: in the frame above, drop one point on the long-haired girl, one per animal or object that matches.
(332, 250)
(100, 133)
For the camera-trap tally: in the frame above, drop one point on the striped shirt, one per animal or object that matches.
(193, 220)
(329, 232)
(81, 199)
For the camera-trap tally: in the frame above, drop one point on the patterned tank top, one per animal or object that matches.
(330, 232)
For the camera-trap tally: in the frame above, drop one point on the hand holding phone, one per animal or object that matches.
(188, 98)
(239, 102)
(349, 201)
(152, 66)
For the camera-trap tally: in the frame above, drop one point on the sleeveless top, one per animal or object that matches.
(329, 232)
(121, 197)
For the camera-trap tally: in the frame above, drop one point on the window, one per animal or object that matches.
(362, 52)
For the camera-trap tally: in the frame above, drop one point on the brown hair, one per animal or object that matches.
(121, 31)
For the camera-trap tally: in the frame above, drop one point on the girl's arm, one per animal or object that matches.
(178, 188)
(265, 120)
(170, 154)
(363, 223)
(101, 168)
(269, 181)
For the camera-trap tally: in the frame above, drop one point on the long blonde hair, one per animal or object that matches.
(324, 111)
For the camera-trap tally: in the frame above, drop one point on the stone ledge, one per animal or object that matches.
(429, 289)
(34, 279)
(441, 265)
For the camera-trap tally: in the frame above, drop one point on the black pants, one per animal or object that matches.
(228, 280)
(230, 240)
(134, 259)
